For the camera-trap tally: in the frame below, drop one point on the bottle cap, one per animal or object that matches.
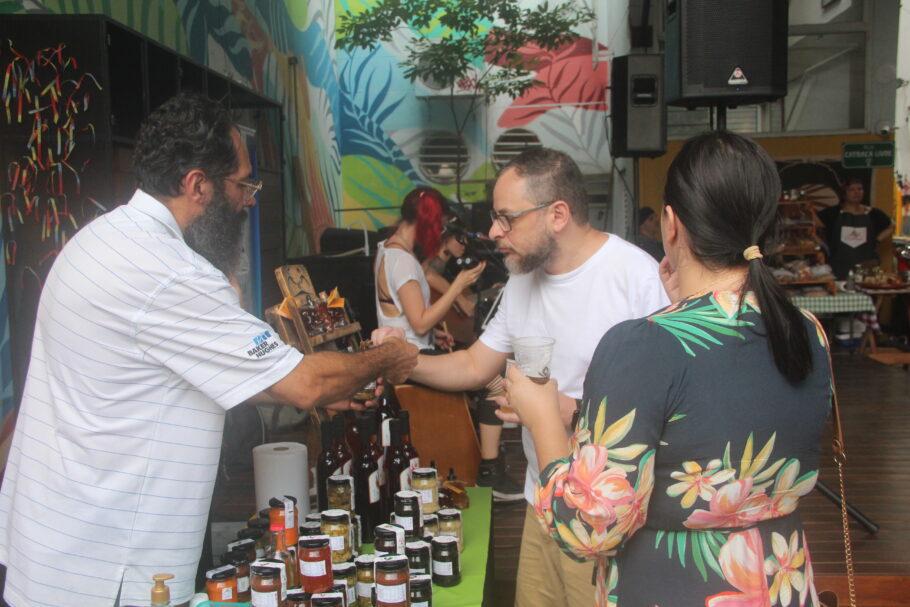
(161, 594)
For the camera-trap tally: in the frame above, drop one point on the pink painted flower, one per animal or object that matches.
(740, 561)
(595, 489)
(786, 567)
(634, 519)
(733, 505)
(808, 591)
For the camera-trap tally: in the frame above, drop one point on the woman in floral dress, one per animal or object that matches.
(700, 425)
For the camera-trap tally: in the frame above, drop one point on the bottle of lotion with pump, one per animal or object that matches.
(161, 594)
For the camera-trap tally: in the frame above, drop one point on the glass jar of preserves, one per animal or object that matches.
(221, 584)
(450, 524)
(421, 591)
(283, 510)
(257, 534)
(246, 546)
(388, 539)
(315, 517)
(409, 514)
(365, 580)
(341, 492)
(446, 562)
(346, 573)
(265, 585)
(425, 482)
(315, 556)
(337, 525)
(418, 554)
(327, 599)
(239, 560)
(392, 581)
(310, 528)
(430, 526)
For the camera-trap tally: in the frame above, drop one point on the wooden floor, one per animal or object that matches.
(875, 407)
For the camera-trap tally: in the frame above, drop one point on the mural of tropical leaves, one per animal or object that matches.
(327, 146)
(364, 102)
(204, 19)
(374, 186)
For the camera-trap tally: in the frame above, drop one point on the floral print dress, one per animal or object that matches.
(688, 462)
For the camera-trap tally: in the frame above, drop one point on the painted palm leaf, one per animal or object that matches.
(699, 325)
(213, 19)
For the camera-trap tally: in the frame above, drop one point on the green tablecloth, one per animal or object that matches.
(842, 303)
(476, 522)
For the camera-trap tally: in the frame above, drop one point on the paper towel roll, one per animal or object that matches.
(281, 469)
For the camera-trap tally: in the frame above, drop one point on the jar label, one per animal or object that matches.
(415, 463)
(373, 483)
(417, 571)
(392, 594)
(346, 467)
(364, 589)
(381, 470)
(312, 568)
(336, 542)
(227, 594)
(420, 604)
(405, 521)
(442, 567)
(404, 479)
(265, 599)
(387, 432)
(352, 595)
(426, 496)
(288, 513)
(243, 583)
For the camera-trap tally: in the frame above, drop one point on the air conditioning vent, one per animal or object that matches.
(512, 143)
(439, 156)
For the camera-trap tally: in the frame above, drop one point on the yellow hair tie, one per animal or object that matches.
(752, 252)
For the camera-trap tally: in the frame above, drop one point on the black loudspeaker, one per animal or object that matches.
(637, 110)
(730, 52)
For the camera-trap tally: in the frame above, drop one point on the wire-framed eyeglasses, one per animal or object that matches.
(250, 188)
(504, 220)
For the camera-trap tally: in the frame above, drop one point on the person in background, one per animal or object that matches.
(649, 233)
(853, 230)
(452, 247)
(402, 291)
(709, 457)
(571, 282)
(140, 347)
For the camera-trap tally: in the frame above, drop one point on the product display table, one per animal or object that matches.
(476, 524)
(841, 303)
(879, 296)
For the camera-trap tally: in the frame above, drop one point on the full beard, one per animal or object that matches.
(217, 232)
(539, 256)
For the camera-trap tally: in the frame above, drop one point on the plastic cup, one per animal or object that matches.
(532, 355)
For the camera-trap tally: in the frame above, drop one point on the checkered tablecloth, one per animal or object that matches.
(842, 303)
(874, 292)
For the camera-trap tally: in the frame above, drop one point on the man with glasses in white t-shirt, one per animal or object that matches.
(140, 348)
(570, 282)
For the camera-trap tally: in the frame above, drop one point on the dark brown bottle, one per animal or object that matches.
(405, 419)
(326, 465)
(341, 447)
(397, 464)
(385, 412)
(367, 496)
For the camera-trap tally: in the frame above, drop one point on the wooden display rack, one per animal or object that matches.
(294, 282)
(807, 225)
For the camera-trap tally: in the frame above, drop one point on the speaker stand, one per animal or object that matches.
(867, 523)
(720, 117)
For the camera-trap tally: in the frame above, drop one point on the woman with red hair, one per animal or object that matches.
(402, 292)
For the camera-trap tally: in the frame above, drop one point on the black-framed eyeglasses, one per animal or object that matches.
(504, 220)
(250, 188)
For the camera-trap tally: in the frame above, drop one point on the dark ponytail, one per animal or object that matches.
(724, 188)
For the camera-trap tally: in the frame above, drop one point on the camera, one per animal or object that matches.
(468, 262)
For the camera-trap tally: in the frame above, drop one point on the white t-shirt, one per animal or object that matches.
(140, 346)
(400, 268)
(617, 283)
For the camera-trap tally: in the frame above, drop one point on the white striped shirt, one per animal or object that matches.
(140, 346)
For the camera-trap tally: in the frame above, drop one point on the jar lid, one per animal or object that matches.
(295, 597)
(313, 541)
(421, 581)
(442, 540)
(424, 472)
(276, 502)
(416, 545)
(221, 573)
(341, 479)
(385, 531)
(340, 569)
(430, 517)
(264, 515)
(250, 533)
(449, 514)
(365, 560)
(310, 528)
(327, 599)
(314, 516)
(336, 515)
(265, 572)
(392, 562)
(234, 557)
(259, 523)
(407, 495)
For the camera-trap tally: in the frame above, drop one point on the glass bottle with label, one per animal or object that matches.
(379, 456)
(397, 464)
(341, 446)
(327, 464)
(279, 552)
(404, 419)
(385, 412)
(239, 560)
(366, 485)
(283, 510)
